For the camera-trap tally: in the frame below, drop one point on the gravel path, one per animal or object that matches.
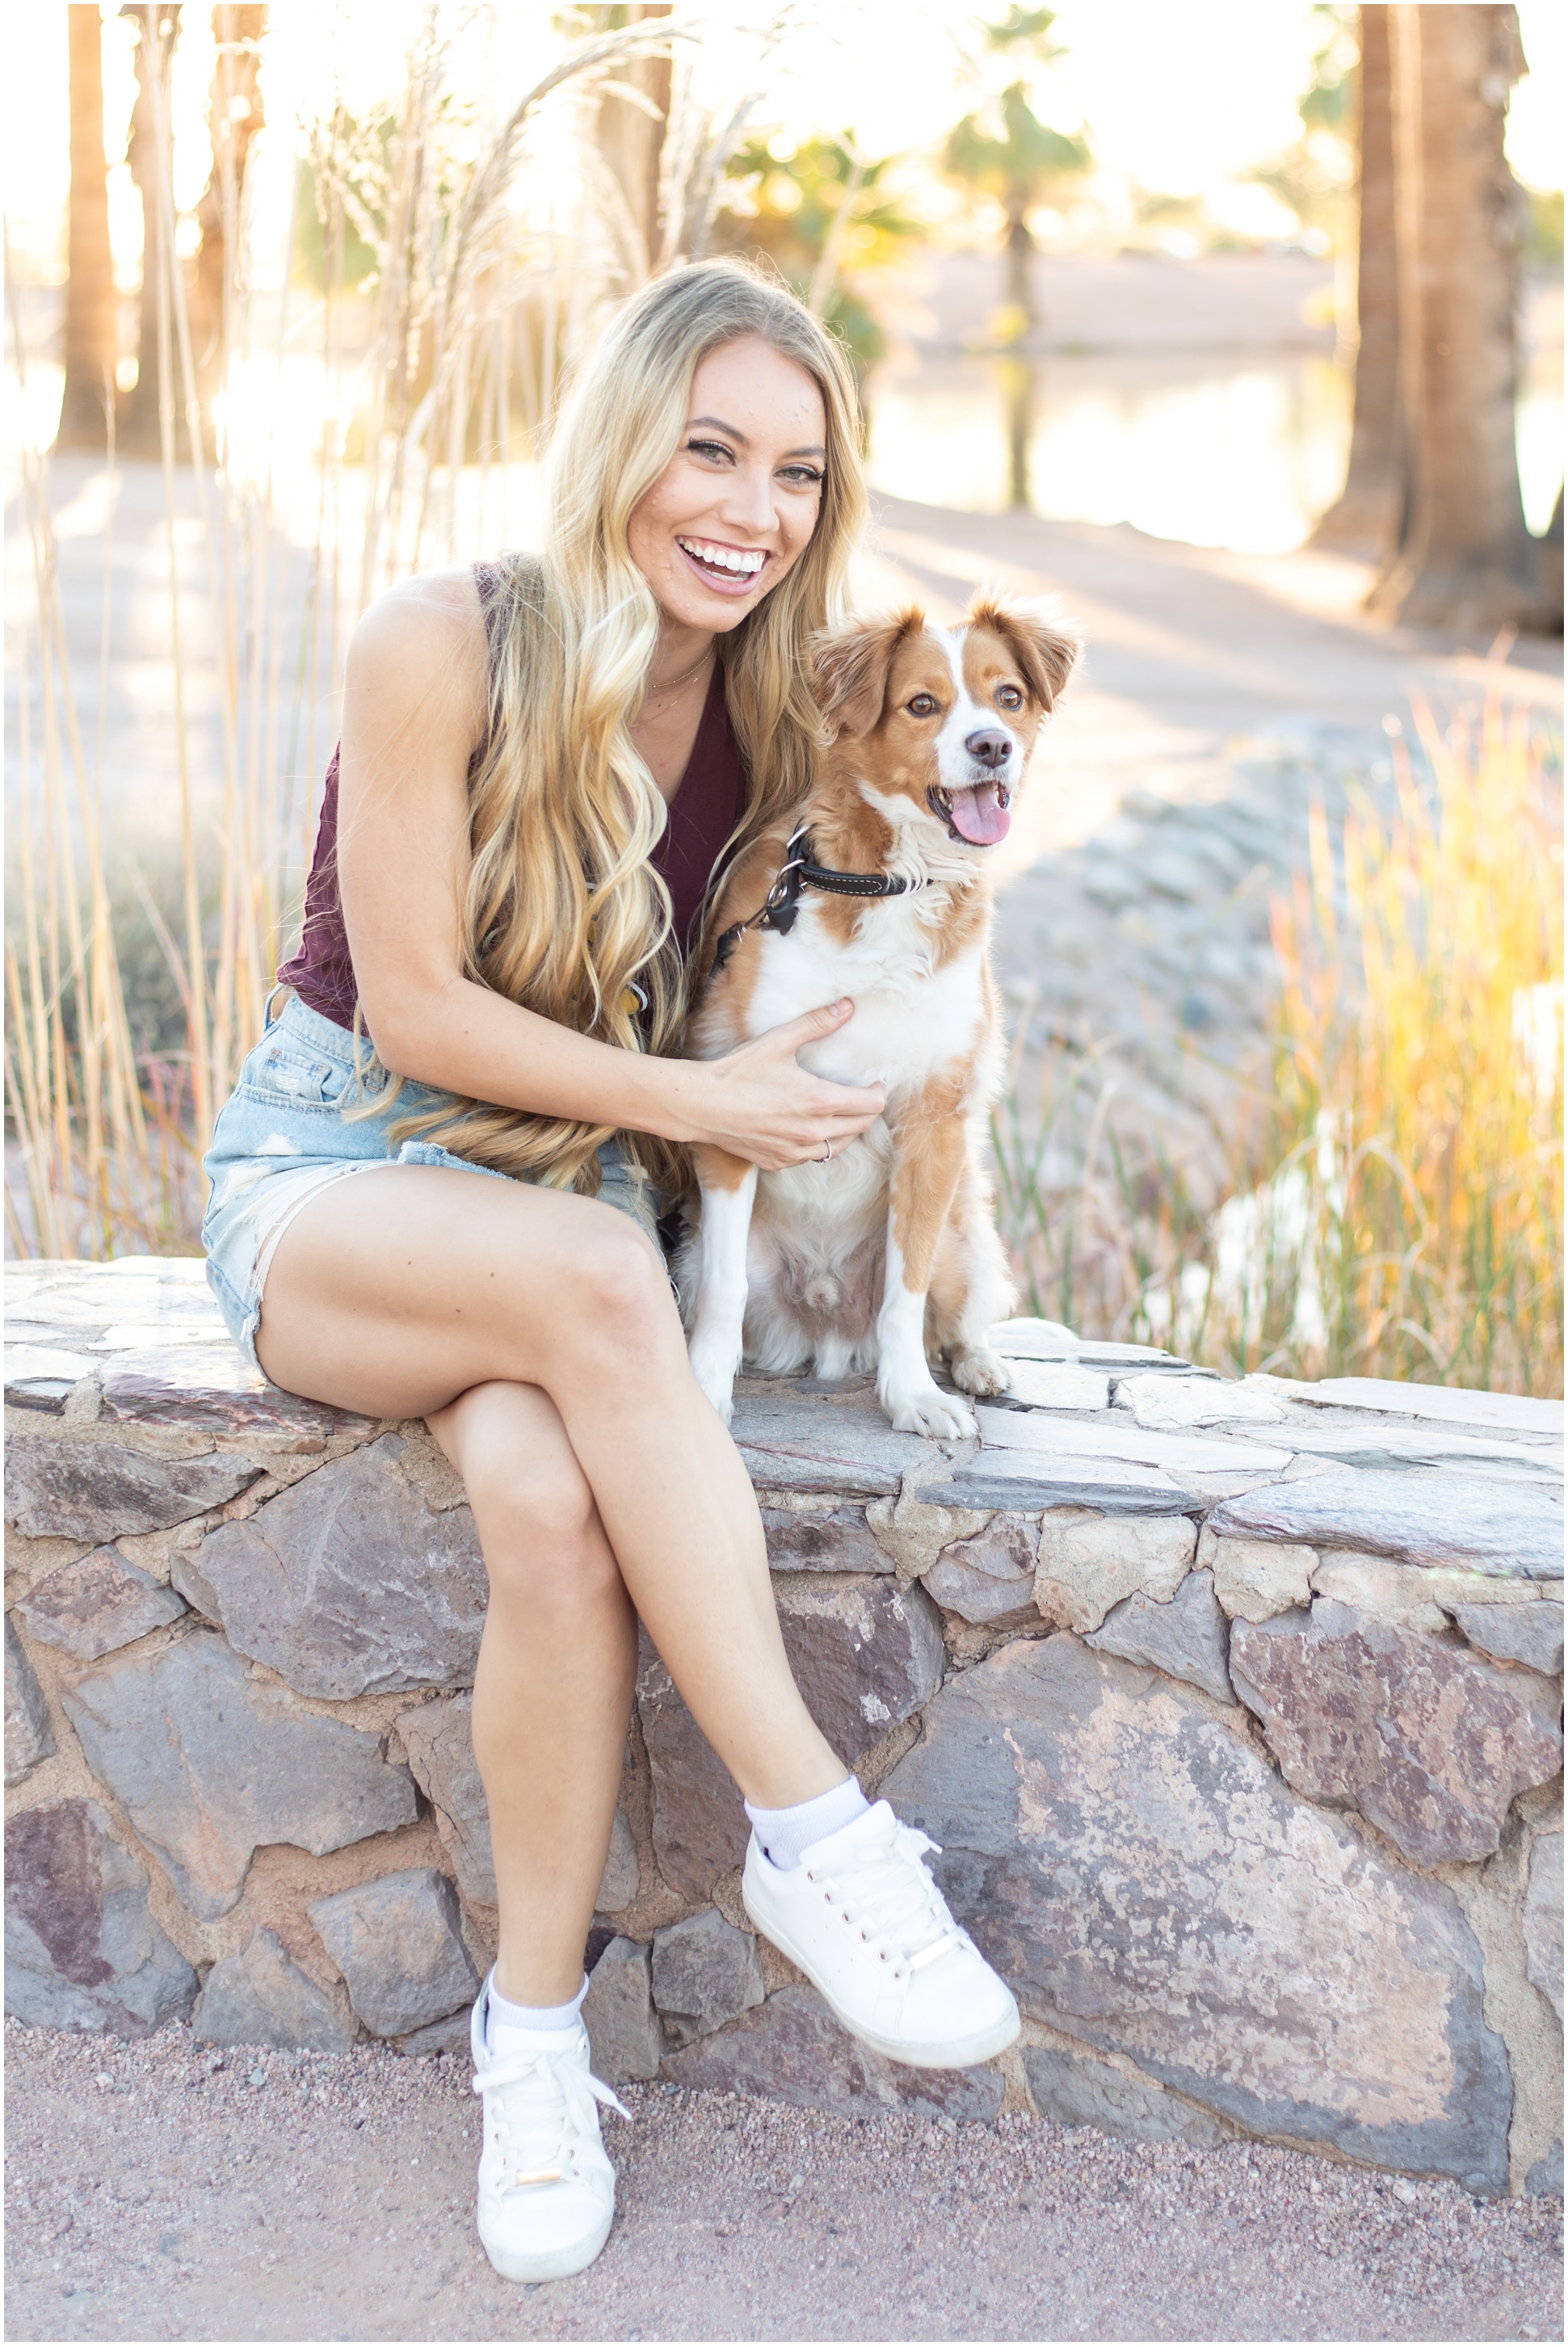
(162, 2190)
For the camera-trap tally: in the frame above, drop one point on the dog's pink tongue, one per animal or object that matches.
(979, 815)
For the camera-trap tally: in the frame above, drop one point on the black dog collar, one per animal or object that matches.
(801, 870)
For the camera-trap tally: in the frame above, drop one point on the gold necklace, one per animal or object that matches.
(661, 691)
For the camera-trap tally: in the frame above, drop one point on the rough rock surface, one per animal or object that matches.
(832, 1539)
(1416, 1518)
(791, 2049)
(1401, 1448)
(699, 1828)
(1423, 1738)
(210, 1765)
(398, 1943)
(1025, 1480)
(96, 1604)
(791, 1443)
(1078, 2092)
(1122, 1438)
(63, 1487)
(1399, 1593)
(29, 1737)
(1450, 1404)
(260, 1997)
(865, 1654)
(209, 1386)
(1544, 2180)
(990, 1577)
(1059, 1384)
(1543, 1919)
(453, 2035)
(705, 1973)
(1087, 1567)
(622, 1877)
(82, 1949)
(1531, 1634)
(439, 1741)
(42, 1377)
(1140, 1875)
(1186, 1637)
(1167, 1404)
(1151, 1846)
(617, 2011)
(348, 1583)
(438, 1737)
(1255, 1578)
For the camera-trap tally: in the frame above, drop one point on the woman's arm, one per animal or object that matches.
(414, 710)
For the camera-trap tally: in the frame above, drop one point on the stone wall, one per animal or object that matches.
(1235, 1708)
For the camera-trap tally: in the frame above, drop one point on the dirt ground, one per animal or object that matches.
(161, 2190)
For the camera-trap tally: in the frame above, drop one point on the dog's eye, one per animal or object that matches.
(1010, 697)
(922, 705)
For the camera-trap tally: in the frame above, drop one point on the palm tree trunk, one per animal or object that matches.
(1552, 571)
(1467, 560)
(1367, 518)
(157, 30)
(1020, 270)
(91, 338)
(630, 138)
(235, 115)
(1017, 371)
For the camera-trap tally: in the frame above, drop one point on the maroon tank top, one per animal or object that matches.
(708, 802)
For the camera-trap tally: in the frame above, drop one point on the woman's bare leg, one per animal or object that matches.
(396, 1291)
(553, 1693)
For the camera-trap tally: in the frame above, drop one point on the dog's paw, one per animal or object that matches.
(982, 1371)
(927, 1409)
(717, 1380)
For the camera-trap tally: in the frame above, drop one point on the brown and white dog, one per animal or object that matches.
(885, 1256)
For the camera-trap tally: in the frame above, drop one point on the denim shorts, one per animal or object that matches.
(285, 1136)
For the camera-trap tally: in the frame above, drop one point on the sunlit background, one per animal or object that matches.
(1097, 271)
(1201, 403)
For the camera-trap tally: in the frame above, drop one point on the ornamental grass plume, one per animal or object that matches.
(1420, 1076)
(1390, 1180)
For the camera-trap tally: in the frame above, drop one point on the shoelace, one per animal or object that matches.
(540, 2127)
(887, 1894)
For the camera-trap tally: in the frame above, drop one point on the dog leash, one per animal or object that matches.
(801, 870)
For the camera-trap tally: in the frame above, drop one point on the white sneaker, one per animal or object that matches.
(864, 1920)
(546, 2189)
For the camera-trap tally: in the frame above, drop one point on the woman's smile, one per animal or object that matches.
(728, 570)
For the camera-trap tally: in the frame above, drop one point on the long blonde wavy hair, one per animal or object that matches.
(564, 913)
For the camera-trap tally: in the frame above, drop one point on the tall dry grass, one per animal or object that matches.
(1393, 1200)
(1424, 1107)
(490, 276)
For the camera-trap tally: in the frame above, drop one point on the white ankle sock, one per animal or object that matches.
(785, 1834)
(505, 2020)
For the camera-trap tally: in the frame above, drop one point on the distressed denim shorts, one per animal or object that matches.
(285, 1136)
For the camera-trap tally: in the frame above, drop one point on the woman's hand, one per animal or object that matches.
(761, 1104)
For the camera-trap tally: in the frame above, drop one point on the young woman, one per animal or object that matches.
(542, 762)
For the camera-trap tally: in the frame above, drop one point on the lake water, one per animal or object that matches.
(1216, 449)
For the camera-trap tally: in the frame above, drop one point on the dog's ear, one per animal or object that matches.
(850, 668)
(1044, 645)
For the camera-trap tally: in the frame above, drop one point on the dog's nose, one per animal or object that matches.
(990, 747)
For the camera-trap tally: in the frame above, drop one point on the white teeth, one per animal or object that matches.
(724, 557)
